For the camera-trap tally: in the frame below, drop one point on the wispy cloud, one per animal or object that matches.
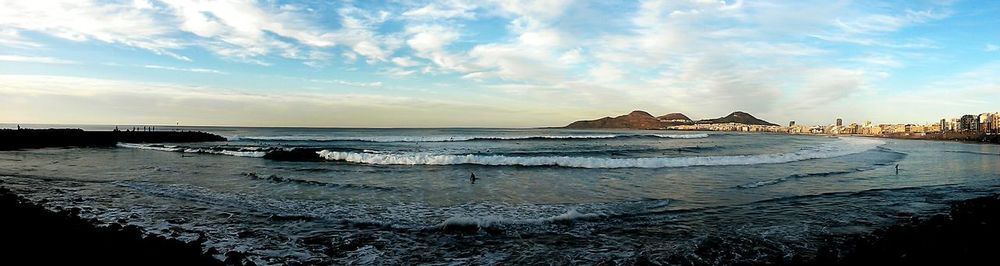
(195, 70)
(13, 38)
(348, 83)
(34, 59)
(991, 48)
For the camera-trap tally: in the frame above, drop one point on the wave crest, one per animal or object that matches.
(241, 152)
(842, 147)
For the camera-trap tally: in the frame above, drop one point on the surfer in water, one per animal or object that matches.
(472, 178)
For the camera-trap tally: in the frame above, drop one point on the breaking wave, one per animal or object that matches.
(843, 146)
(242, 152)
(469, 223)
(469, 138)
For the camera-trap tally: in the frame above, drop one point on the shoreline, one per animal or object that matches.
(964, 138)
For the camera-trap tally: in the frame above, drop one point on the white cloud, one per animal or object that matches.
(878, 23)
(404, 61)
(349, 83)
(991, 47)
(82, 20)
(242, 30)
(442, 10)
(13, 38)
(431, 41)
(574, 56)
(606, 73)
(879, 60)
(34, 59)
(196, 70)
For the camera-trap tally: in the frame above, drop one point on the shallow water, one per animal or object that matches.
(541, 196)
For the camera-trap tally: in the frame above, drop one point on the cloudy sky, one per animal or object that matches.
(489, 63)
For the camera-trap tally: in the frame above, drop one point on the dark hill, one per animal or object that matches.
(674, 117)
(737, 117)
(643, 120)
(633, 120)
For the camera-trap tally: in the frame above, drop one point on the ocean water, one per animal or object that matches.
(404, 196)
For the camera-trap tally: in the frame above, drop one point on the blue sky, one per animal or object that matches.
(493, 63)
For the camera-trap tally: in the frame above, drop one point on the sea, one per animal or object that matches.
(539, 196)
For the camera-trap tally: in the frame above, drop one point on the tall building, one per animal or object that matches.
(985, 120)
(840, 122)
(791, 123)
(968, 123)
(944, 125)
(996, 123)
(986, 123)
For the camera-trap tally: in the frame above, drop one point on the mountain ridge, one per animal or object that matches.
(639, 119)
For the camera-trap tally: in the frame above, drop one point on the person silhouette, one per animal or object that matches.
(472, 178)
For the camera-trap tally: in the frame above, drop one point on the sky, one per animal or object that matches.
(493, 63)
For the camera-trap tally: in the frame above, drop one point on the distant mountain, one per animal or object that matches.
(674, 117)
(643, 120)
(737, 117)
(634, 120)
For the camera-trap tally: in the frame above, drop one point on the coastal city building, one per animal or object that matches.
(996, 124)
(987, 123)
(968, 123)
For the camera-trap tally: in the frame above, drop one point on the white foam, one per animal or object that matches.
(242, 152)
(155, 147)
(255, 154)
(497, 221)
(682, 136)
(466, 138)
(843, 146)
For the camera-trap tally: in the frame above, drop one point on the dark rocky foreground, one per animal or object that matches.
(968, 235)
(32, 235)
(11, 139)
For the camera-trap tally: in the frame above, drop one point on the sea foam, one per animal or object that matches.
(841, 147)
(241, 152)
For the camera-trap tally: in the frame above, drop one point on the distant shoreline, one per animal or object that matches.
(977, 137)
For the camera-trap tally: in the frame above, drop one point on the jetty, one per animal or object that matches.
(13, 139)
